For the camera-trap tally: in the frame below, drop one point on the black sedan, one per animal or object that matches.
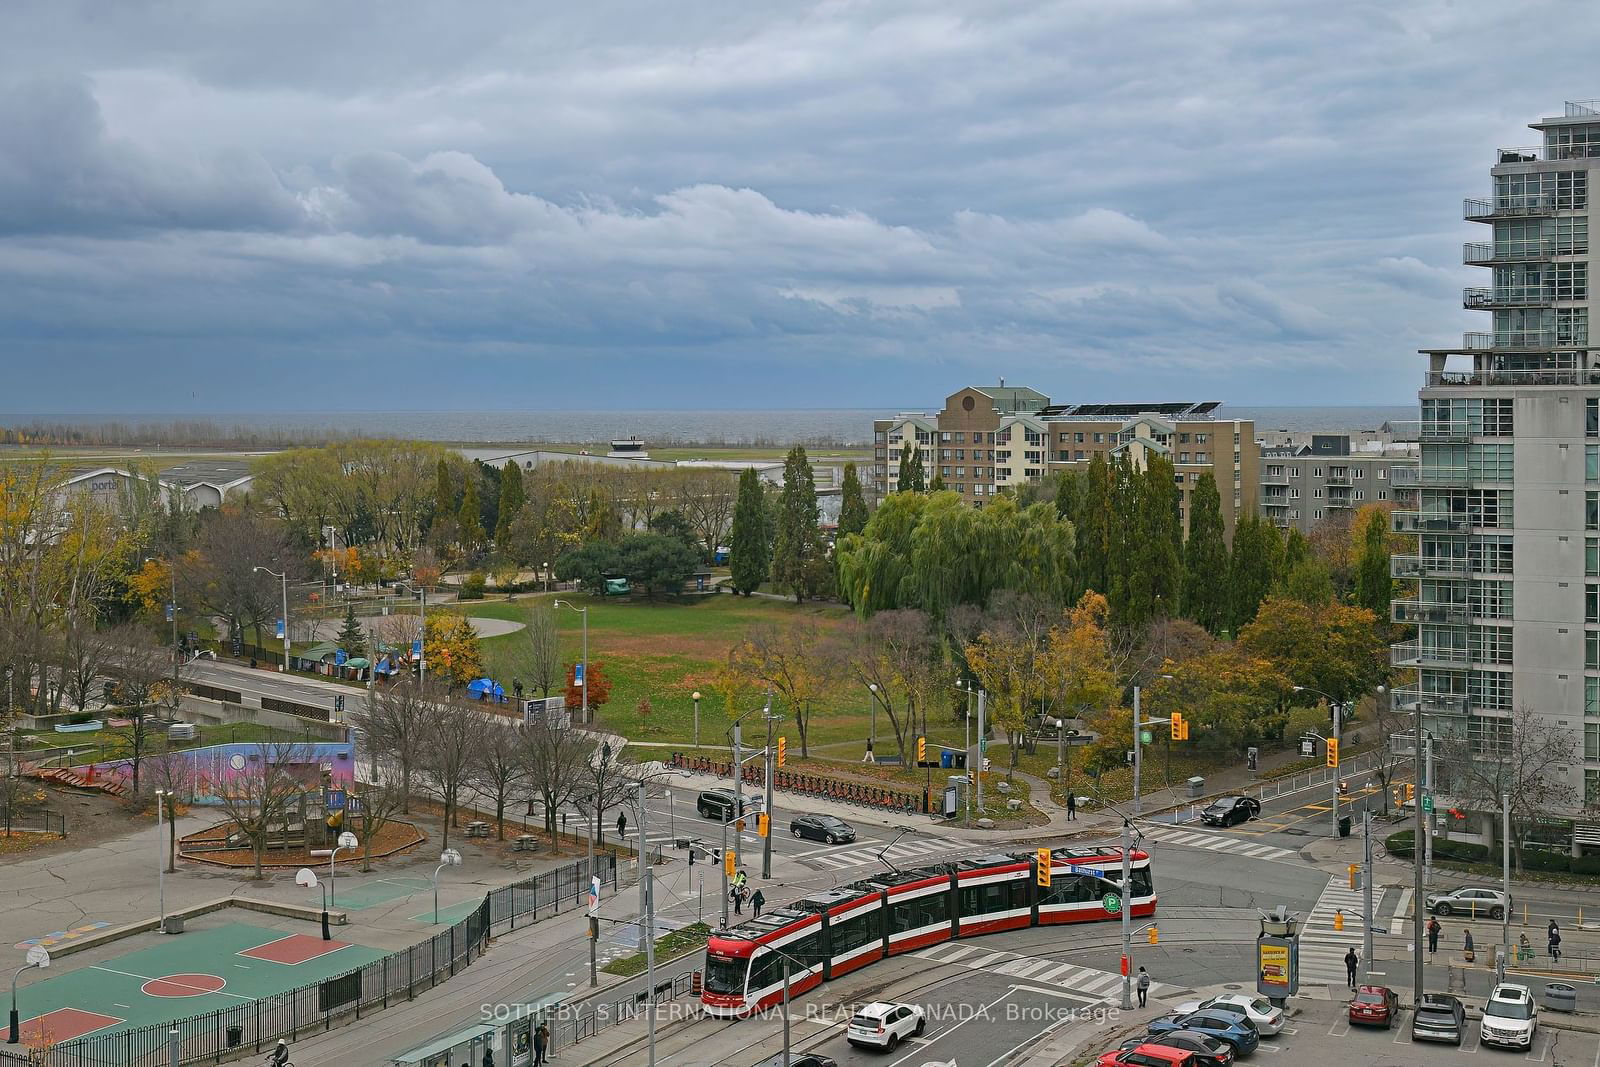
(1208, 1051)
(824, 828)
(809, 1059)
(1225, 811)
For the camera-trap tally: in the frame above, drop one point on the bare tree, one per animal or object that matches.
(452, 735)
(380, 800)
(895, 652)
(605, 782)
(396, 729)
(148, 681)
(260, 797)
(220, 573)
(498, 765)
(556, 760)
(1525, 758)
(536, 653)
(84, 653)
(706, 499)
(790, 659)
(171, 771)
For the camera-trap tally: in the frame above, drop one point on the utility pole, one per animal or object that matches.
(766, 842)
(1127, 915)
(1138, 757)
(983, 733)
(644, 865)
(1505, 878)
(647, 929)
(1338, 718)
(1366, 891)
(1427, 852)
(1416, 875)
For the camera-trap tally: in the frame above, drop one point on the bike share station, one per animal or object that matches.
(507, 1037)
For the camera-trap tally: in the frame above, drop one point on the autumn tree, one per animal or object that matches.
(852, 504)
(450, 648)
(1230, 697)
(1374, 587)
(595, 681)
(789, 660)
(1331, 647)
(1077, 671)
(1009, 661)
(1205, 558)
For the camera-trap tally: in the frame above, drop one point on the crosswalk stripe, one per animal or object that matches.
(1086, 980)
(1218, 842)
(1055, 973)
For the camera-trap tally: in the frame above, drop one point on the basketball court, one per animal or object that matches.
(185, 974)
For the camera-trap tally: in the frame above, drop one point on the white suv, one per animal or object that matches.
(883, 1025)
(1510, 1017)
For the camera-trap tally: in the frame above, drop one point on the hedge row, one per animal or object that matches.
(1399, 844)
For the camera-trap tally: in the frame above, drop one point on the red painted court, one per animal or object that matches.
(64, 1024)
(294, 949)
(184, 985)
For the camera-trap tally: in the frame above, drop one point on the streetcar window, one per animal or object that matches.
(1074, 889)
(724, 974)
(854, 932)
(808, 950)
(767, 971)
(993, 897)
(918, 912)
(1143, 885)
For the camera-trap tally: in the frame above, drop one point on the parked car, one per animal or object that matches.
(1470, 900)
(1267, 1019)
(1374, 1005)
(825, 828)
(1208, 1051)
(718, 804)
(1439, 1017)
(1236, 1030)
(1509, 1017)
(1147, 1055)
(810, 1059)
(883, 1025)
(1226, 811)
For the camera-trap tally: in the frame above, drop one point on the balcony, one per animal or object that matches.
(1485, 254)
(1524, 340)
(1416, 522)
(1419, 611)
(1451, 477)
(1479, 299)
(1408, 698)
(1415, 654)
(1428, 567)
(1444, 430)
(1546, 153)
(1341, 478)
(1542, 376)
(1513, 207)
(1278, 478)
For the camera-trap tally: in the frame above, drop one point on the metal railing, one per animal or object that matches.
(1324, 776)
(1406, 698)
(1475, 209)
(1485, 253)
(1442, 475)
(1416, 611)
(570, 1024)
(1546, 153)
(1418, 522)
(1429, 567)
(815, 785)
(250, 1026)
(1443, 430)
(1477, 298)
(1416, 654)
(1540, 376)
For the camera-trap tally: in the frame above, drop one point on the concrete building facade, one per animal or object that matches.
(988, 439)
(1323, 478)
(1506, 598)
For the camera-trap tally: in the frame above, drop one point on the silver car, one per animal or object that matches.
(1470, 900)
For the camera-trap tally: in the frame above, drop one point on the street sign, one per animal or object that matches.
(1308, 747)
(1427, 803)
(1145, 737)
(983, 746)
(1112, 903)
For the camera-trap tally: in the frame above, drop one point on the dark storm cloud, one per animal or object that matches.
(1095, 196)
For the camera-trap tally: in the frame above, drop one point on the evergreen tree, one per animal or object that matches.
(488, 479)
(511, 500)
(799, 564)
(1124, 590)
(937, 485)
(1374, 586)
(351, 637)
(852, 504)
(912, 476)
(470, 520)
(1161, 546)
(444, 492)
(1296, 550)
(1093, 523)
(1255, 567)
(750, 545)
(1309, 583)
(1205, 558)
(1067, 489)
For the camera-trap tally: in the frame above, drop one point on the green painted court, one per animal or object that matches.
(186, 974)
(377, 891)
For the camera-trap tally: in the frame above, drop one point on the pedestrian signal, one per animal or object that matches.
(730, 862)
(922, 749)
(763, 824)
(783, 750)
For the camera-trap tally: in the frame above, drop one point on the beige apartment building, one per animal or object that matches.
(991, 438)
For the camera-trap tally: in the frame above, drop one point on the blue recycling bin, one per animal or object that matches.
(947, 758)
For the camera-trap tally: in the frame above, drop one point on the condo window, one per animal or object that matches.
(1200, 438)
(1591, 604)
(1591, 558)
(1099, 438)
(1202, 457)
(1077, 456)
(1077, 438)
(1591, 510)
(1591, 462)
(961, 453)
(1383, 494)
(1591, 698)
(1591, 412)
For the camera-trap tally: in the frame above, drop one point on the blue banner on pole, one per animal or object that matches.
(279, 633)
(171, 609)
(577, 673)
(416, 650)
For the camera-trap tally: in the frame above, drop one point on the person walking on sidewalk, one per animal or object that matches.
(622, 825)
(1143, 986)
(756, 900)
(1350, 962)
(541, 1041)
(1072, 807)
(1433, 936)
(1555, 942)
(737, 896)
(1467, 948)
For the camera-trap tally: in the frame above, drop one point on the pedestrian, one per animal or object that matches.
(488, 1056)
(1555, 942)
(738, 900)
(1433, 936)
(756, 900)
(541, 1040)
(1143, 986)
(869, 757)
(741, 878)
(1467, 948)
(622, 824)
(1350, 962)
(1072, 806)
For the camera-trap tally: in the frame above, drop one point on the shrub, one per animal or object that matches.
(1541, 860)
(472, 586)
(1585, 865)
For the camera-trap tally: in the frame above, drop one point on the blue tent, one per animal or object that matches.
(487, 689)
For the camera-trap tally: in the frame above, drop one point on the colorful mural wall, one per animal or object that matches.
(199, 774)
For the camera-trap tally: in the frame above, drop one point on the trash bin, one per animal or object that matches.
(947, 759)
(1559, 996)
(173, 924)
(1197, 786)
(235, 1036)
(961, 761)
(1344, 826)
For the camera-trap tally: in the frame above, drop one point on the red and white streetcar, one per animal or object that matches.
(834, 932)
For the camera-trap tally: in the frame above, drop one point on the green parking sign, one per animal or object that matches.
(1427, 803)
(1112, 903)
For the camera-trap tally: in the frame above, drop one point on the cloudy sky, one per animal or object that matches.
(395, 204)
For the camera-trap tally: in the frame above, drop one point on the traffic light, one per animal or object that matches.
(730, 862)
(1180, 727)
(1155, 934)
(763, 824)
(783, 750)
(338, 705)
(1252, 757)
(922, 749)
(1043, 863)
(1411, 792)
(1333, 752)
(1355, 875)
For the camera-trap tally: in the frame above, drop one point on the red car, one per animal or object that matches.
(1147, 1056)
(1375, 1005)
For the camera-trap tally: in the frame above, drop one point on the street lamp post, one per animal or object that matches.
(872, 735)
(583, 680)
(347, 842)
(448, 858)
(1138, 750)
(422, 628)
(161, 867)
(282, 576)
(696, 696)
